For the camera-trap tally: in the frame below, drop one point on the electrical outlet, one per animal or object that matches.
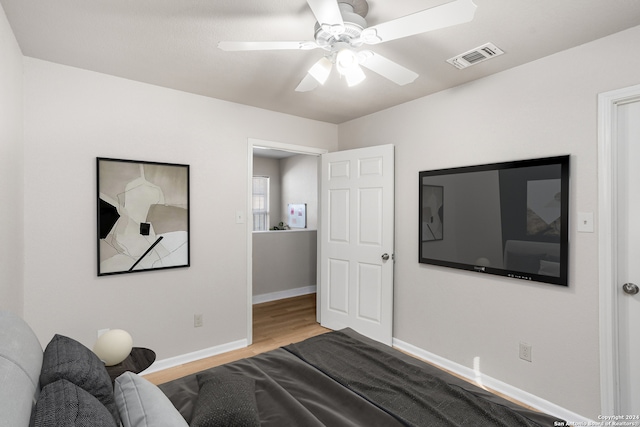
(525, 351)
(197, 320)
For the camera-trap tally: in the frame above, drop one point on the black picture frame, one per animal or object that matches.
(142, 216)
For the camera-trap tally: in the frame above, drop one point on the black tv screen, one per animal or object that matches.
(509, 219)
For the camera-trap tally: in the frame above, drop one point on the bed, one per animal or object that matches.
(335, 379)
(342, 378)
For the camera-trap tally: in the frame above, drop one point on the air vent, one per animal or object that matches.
(475, 56)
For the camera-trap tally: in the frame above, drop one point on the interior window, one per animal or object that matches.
(260, 203)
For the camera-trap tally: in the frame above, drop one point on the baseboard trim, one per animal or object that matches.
(289, 293)
(171, 362)
(494, 384)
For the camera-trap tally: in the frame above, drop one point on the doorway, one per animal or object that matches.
(618, 118)
(270, 145)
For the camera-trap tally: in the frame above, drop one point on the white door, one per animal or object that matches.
(356, 241)
(628, 259)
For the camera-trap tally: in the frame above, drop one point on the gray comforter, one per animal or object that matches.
(344, 379)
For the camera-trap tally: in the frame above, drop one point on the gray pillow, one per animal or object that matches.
(65, 404)
(142, 404)
(225, 399)
(66, 358)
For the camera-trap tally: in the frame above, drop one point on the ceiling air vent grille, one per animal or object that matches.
(475, 56)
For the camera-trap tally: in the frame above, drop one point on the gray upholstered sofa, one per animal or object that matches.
(67, 385)
(20, 365)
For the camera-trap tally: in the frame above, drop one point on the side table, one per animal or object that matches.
(139, 360)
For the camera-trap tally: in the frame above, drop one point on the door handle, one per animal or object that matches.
(385, 257)
(630, 288)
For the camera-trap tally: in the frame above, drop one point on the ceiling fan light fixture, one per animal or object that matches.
(348, 65)
(341, 30)
(321, 70)
(355, 76)
(346, 59)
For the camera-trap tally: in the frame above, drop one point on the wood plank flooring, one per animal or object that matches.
(275, 324)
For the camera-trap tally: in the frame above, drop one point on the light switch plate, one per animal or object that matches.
(585, 222)
(239, 217)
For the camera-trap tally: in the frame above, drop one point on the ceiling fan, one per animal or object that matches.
(341, 30)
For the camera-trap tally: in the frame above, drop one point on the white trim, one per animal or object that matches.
(493, 384)
(249, 230)
(291, 148)
(607, 243)
(299, 149)
(160, 365)
(289, 293)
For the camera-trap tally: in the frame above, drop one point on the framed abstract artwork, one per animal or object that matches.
(297, 215)
(143, 216)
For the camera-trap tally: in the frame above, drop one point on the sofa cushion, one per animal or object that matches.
(66, 358)
(20, 364)
(142, 404)
(63, 403)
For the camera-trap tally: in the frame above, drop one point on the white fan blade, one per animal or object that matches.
(446, 15)
(242, 46)
(327, 13)
(387, 68)
(307, 84)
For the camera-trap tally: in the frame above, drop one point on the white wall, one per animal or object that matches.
(73, 116)
(11, 167)
(299, 175)
(545, 108)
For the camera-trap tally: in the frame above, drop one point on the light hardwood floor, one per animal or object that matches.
(275, 324)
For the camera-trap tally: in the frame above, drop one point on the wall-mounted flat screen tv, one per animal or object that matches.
(509, 219)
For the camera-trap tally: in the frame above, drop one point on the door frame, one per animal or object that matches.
(292, 148)
(608, 103)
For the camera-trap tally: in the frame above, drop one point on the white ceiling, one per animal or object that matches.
(173, 43)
